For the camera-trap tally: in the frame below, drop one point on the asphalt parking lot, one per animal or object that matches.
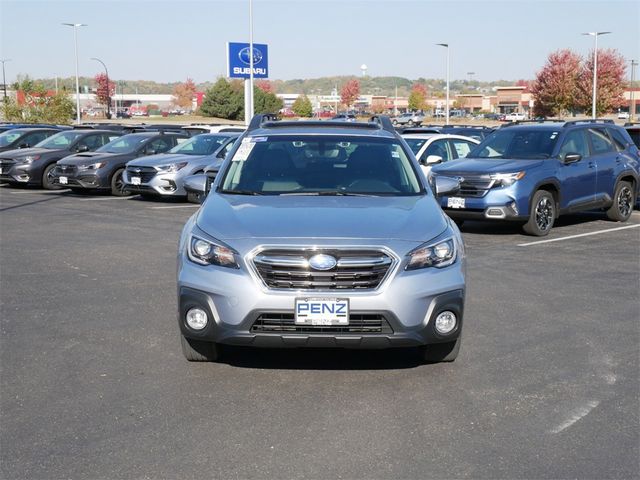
(94, 385)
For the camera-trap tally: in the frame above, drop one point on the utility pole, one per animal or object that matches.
(4, 80)
(632, 99)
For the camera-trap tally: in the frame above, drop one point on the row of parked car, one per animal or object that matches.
(529, 172)
(93, 158)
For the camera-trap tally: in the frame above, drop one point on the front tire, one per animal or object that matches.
(542, 216)
(441, 352)
(195, 197)
(199, 350)
(46, 180)
(623, 202)
(117, 184)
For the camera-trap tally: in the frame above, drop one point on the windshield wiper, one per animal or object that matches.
(331, 193)
(240, 192)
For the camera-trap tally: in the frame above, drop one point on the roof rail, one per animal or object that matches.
(590, 120)
(524, 122)
(630, 124)
(385, 122)
(259, 119)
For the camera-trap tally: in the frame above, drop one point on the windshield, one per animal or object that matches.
(8, 137)
(59, 140)
(415, 144)
(517, 143)
(126, 144)
(200, 145)
(320, 165)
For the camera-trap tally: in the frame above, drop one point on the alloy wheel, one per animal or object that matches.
(544, 214)
(625, 201)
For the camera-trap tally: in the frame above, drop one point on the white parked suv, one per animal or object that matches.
(433, 148)
(515, 116)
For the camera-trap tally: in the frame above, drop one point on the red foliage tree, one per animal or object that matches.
(265, 86)
(350, 92)
(183, 94)
(610, 85)
(418, 97)
(104, 90)
(555, 87)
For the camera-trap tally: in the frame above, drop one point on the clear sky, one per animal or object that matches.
(170, 40)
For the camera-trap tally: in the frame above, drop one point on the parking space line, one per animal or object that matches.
(100, 199)
(174, 206)
(608, 230)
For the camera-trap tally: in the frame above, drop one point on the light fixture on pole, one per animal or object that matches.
(4, 81)
(75, 39)
(106, 72)
(446, 45)
(595, 36)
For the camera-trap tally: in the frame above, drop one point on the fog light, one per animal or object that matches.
(446, 322)
(197, 318)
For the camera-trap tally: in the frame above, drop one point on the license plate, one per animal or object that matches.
(322, 311)
(455, 202)
(63, 180)
(135, 180)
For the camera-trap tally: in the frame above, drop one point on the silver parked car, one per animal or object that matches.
(321, 234)
(164, 174)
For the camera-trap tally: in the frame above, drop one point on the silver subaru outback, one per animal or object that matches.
(321, 234)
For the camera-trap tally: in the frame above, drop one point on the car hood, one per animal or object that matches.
(485, 165)
(417, 219)
(88, 158)
(164, 159)
(23, 152)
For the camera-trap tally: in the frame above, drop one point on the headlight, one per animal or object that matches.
(205, 252)
(506, 179)
(174, 167)
(93, 166)
(440, 254)
(30, 158)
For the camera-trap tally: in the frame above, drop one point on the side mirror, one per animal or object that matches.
(196, 183)
(150, 151)
(433, 159)
(446, 185)
(82, 148)
(571, 158)
(23, 145)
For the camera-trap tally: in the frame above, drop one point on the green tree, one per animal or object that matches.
(38, 105)
(302, 106)
(265, 102)
(223, 101)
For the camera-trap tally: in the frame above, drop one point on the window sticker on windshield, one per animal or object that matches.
(243, 152)
(395, 154)
(258, 139)
(554, 135)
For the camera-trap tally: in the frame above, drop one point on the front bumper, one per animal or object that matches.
(90, 181)
(16, 173)
(503, 204)
(165, 184)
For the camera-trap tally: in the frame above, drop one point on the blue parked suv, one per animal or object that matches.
(533, 172)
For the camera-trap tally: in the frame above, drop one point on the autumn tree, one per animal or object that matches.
(265, 86)
(610, 84)
(183, 94)
(556, 86)
(265, 102)
(105, 89)
(418, 97)
(302, 106)
(350, 92)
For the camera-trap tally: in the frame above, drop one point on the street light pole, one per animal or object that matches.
(4, 81)
(75, 39)
(632, 97)
(106, 72)
(595, 35)
(250, 59)
(446, 45)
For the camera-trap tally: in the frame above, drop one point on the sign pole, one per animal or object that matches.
(250, 59)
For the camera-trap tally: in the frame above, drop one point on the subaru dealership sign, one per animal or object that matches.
(238, 60)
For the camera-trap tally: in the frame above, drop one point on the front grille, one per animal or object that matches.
(145, 173)
(66, 169)
(7, 163)
(355, 269)
(475, 185)
(285, 322)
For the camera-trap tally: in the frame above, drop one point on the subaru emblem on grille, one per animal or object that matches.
(137, 170)
(322, 262)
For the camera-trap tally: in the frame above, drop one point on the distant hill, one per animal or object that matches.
(311, 86)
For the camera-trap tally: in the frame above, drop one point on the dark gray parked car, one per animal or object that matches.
(102, 169)
(24, 137)
(32, 166)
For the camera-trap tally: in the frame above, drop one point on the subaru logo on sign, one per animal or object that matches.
(244, 56)
(322, 262)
